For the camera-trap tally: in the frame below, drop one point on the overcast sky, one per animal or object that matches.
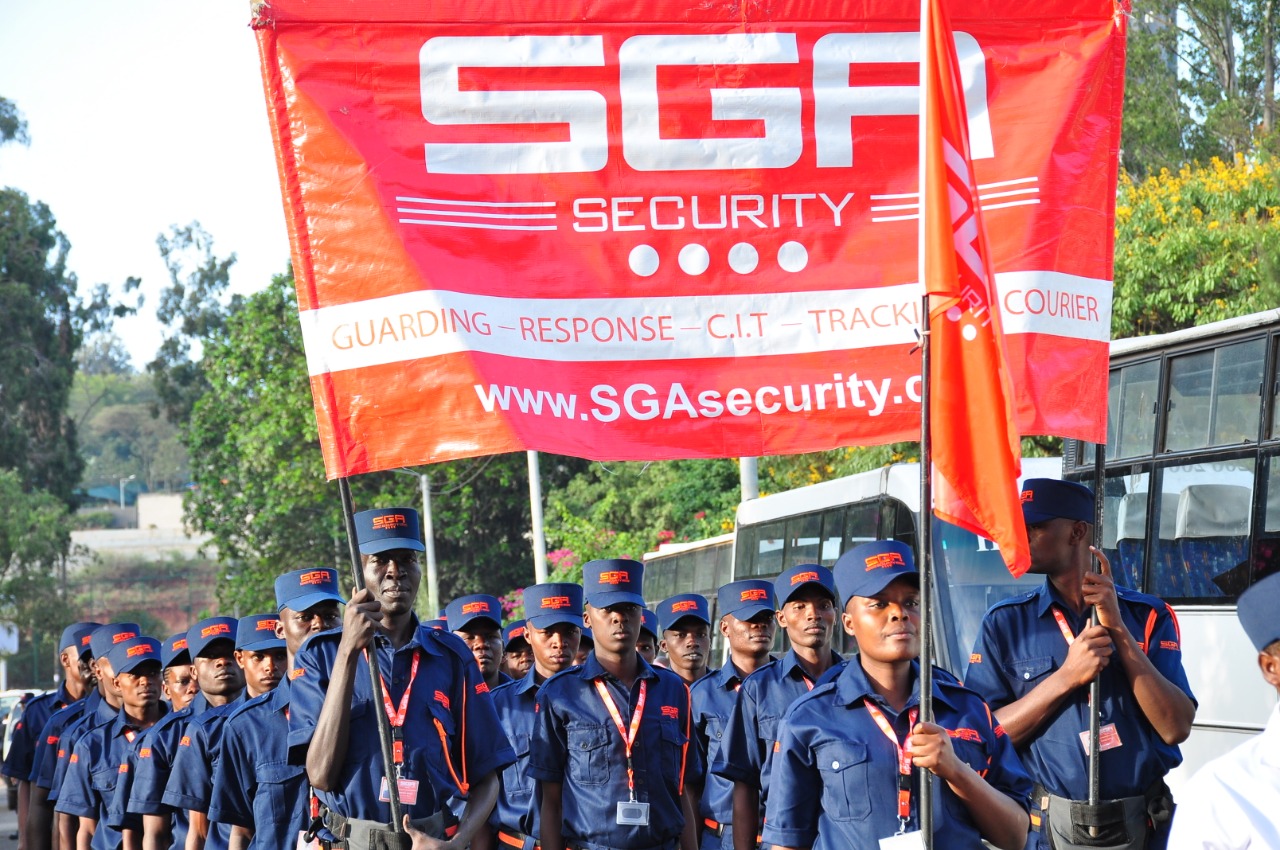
(143, 115)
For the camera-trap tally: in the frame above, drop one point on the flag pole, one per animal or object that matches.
(375, 677)
(1095, 687)
(923, 778)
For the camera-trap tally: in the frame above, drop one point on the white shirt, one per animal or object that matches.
(1233, 801)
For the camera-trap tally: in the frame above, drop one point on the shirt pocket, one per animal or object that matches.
(673, 743)
(715, 728)
(1029, 672)
(975, 755)
(589, 754)
(103, 782)
(278, 782)
(844, 767)
(767, 729)
(516, 782)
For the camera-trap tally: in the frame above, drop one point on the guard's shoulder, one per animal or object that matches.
(804, 703)
(447, 642)
(505, 688)
(1014, 601)
(707, 681)
(669, 678)
(761, 674)
(251, 704)
(945, 677)
(1137, 597)
(565, 678)
(319, 640)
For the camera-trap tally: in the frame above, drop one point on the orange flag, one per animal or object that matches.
(975, 440)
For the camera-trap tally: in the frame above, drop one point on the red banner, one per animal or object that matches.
(644, 232)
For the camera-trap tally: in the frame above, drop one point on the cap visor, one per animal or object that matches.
(302, 603)
(131, 664)
(678, 620)
(793, 591)
(746, 612)
(263, 645)
(463, 625)
(883, 579)
(1031, 517)
(183, 658)
(603, 599)
(373, 547)
(544, 621)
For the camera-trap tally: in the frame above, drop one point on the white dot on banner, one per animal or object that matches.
(954, 314)
(694, 259)
(643, 260)
(792, 257)
(970, 332)
(743, 258)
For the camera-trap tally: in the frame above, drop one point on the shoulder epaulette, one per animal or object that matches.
(1020, 599)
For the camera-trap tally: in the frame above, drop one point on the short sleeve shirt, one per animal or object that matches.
(26, 732)
(451, 732)
(714, 697)
(519, 805)
(1020, 644)
(576, 743)
(254, 785)
(155, 766)
(190, 782)
(101, 715)
(48, 747)
(835, 776)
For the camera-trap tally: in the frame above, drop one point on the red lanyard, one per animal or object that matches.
(904, 758)
(396, 717)
(628, 739)
(1063, 627)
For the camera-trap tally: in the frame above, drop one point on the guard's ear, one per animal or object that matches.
(1270, 666)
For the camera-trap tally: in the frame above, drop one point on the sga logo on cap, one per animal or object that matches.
(615, 577)
(476, 608)
(755, 594)
(1027, 495)
(684, 605)
(556, 602)
(267, 626)
(215, 629)
(314, 577)
(124, 636)
(140, 649)
(885, 560)
(389, 521)
(800, 578)
(181, 643)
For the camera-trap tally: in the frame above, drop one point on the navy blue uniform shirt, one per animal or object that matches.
(576, 743)
(835, 776)
(101, 715)
(191, 778)
(47, 747)
(1020, 644)
(92, 773)
(26, 732)
(254, 785)
(519, 807)
(451, 733)
(155, 766)
(714, 697)
(747, 748)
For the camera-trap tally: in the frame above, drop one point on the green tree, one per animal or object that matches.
(13, 127)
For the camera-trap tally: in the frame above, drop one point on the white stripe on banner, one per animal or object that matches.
(418, 325)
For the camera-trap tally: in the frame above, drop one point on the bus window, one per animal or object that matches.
(861, 522)
(704, 572)
(1211, 529)
(804, 536)
(1131, 427)
(770, 543)
(832, 536)
(1266, 548)
(1213, 397)
(897, 522)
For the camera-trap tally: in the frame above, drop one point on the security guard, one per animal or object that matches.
(685, 620)
(454, 746)
(95, 714)
(807, 596)
(517, 655)
(22, 748)
(1232, 802)
(97, 756)
(477, 619)
(748, 624)
(588, 643)
(255, 788)
(611, 741)
(179, 676)
(844, 773)
(553, 625)
(647, 643)
(1036, 655)
(211, 643)
(261, 657)
(437, 624)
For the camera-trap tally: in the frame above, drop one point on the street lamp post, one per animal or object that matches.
(428, 542)
(124, 481)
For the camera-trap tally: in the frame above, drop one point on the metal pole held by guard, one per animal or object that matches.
(375, 679)
(1095, 687)
(924, 778)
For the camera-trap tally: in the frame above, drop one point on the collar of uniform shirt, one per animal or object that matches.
(852, 686)
(592, 669)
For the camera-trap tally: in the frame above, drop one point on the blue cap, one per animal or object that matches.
(588, 637)
(513, 632)
(258, 633)
(1259, 612)
(301, 589)
(1044, 499)
(207, 632)
(673, 609)
(553, 602)
(649, 623)
(75, 634)
(105, 637)
(125, 656)
(613, 582)
(746, 598)
(868, 569)
(802, 575)
(441, 624)
(388, 528)
(465, 610)
(174, 651)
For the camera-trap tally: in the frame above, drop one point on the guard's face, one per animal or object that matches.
(749, 637)
(75, 671)
(1051, 543)
(484, 639)
(518, 659)
(808, 616)
(263, 668)
(687, 646)
(106, 678)
(647, 646)
(615, 628)
(887, 625)
(554, 648)
(393, 577)
(88, 672)
(180, 685)
(217, 672)
(140, 687)
(294, 627)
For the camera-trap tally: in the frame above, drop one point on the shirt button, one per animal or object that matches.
(835, 765)
(1026, 675)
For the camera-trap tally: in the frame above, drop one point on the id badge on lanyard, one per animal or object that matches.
(904, 779)
(631, 812)
(407, 788)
